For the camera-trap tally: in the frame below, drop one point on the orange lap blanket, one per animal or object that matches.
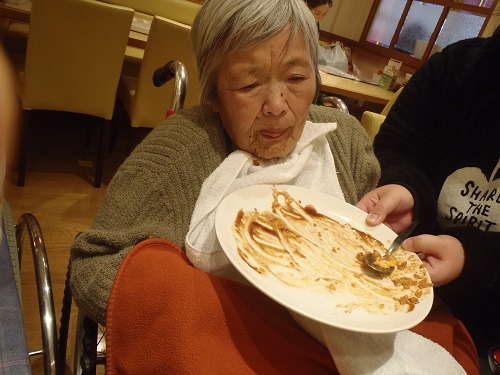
(167, 317)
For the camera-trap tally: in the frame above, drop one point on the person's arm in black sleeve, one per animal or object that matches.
(405, 145)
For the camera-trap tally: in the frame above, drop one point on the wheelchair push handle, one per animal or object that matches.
(164, 74)
(177, 70)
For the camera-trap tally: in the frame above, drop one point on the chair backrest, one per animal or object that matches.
(372, 121)
(167, 40)
(389, 104)
(183, 11)
(74, 56)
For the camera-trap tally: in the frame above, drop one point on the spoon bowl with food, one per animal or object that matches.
(384, 263)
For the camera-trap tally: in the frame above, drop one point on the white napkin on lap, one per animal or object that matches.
(309, 165)
(399, 353)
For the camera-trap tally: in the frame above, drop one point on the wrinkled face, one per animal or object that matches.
(263, 96)
(320, 11)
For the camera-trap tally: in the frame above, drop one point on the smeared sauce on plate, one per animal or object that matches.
(302, 248)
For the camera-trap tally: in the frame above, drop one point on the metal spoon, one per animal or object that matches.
(370, 258)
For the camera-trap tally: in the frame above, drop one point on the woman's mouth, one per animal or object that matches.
(273, 134)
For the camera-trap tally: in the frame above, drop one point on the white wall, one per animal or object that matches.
(347, 18)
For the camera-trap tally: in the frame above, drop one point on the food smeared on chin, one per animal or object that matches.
(302, 248)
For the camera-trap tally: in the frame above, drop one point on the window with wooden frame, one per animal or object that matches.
(411, 31)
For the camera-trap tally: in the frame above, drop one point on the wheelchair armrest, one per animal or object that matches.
(333, 101)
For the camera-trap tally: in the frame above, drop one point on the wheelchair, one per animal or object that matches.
(91, 337)
(90, 346)
(15, 352)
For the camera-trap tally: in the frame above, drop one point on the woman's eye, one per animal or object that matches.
(296, 79)
(249, 87)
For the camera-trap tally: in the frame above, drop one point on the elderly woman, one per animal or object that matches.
(257, 64)
(257, 70)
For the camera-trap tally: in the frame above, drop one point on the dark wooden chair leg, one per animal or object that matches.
(101, 153)
(115, 122)
(88, 134)
(135, 137)
(132, 133)
(23, 148)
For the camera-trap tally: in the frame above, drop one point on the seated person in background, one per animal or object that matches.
(439, 151)
(319, 9)
(336, 55)
(257, 62)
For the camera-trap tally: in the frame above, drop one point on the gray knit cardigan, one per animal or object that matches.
(153, 193)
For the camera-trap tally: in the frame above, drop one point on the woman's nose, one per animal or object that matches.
(275, 102)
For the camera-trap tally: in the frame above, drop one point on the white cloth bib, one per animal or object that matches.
(309, 165)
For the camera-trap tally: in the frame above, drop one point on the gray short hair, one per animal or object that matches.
(223, 27)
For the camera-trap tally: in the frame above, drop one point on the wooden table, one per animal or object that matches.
(354, 89)
(16, 12)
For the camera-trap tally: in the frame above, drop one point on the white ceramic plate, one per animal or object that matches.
(319, 307)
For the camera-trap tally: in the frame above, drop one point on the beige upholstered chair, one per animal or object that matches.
(372, 121)
(183, 11)
(73, 62)
(146, 104)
